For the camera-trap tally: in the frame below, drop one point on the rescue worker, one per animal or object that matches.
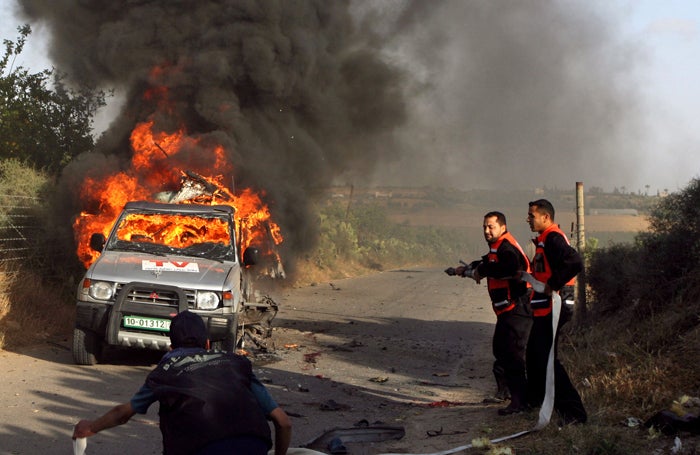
(210, 401)
(510, 300)
(556, 263)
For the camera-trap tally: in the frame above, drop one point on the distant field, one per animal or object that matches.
(471, 217)
(462, 212)
(606, 228)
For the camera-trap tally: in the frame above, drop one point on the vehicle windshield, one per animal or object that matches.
(173, 233)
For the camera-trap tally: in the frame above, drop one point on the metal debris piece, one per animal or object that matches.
(633, 422)
(375, 433)
(311, 357)
(332, 405)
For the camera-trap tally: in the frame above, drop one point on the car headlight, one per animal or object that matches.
(207, 300)
(101, 290)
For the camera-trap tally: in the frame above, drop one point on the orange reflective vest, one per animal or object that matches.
(499, 288)
(542, 303)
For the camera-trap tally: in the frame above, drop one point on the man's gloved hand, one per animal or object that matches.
(457, 271)
(465, 270)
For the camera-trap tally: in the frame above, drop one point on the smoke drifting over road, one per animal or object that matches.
(304, 93)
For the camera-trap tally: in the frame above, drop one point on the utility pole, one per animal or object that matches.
(581, 247)
(347, 209)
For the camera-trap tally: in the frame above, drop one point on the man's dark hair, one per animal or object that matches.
(543, 206)
(500, 218)
(187, 330)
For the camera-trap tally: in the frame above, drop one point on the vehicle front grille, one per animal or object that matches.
(157, 297)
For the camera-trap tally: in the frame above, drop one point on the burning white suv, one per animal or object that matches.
(161, 259)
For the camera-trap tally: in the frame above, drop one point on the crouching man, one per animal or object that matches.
(210, 401)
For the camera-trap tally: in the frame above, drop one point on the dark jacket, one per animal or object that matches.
(555, 263)
(508, 261)
(564, 260)
(206, 397)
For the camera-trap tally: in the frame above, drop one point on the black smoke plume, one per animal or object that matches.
(291, 89)
(471, 94)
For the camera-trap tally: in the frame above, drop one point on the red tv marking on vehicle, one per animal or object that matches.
(175, 263)
(169, 266)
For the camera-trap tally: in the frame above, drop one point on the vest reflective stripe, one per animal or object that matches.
(500, 307)
(499, 289)
(541, 303)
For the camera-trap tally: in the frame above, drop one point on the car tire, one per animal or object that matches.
(87, 347)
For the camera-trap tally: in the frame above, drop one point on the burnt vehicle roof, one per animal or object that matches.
(177, 208)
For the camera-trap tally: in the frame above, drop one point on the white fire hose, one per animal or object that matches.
(548, 402)
(79, 446)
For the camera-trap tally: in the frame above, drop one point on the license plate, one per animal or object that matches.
(140, 322)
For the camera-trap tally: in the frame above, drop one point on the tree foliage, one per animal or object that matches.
(43, 121)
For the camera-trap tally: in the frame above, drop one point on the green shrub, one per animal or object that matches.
(366, 236)
(652, 272)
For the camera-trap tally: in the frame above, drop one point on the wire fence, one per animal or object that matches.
(28, 243)
(25, 239)
(19, 224)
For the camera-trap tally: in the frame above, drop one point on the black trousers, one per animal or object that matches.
(509, 347)
(567, 401)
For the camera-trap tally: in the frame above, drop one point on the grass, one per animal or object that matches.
(30, 310)
(625, 373)
(33, 305)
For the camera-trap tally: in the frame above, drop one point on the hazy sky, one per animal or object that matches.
(651, 51)
(668, 32)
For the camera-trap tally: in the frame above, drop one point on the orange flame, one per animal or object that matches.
(173, 230)
(156, 165)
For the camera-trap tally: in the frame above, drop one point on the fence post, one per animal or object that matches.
(581, 247)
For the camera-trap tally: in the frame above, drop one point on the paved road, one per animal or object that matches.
(381, 348)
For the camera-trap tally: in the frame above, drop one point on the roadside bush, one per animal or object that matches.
(653, 271)
(612, 275)
(639, 348)
(364, 238)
